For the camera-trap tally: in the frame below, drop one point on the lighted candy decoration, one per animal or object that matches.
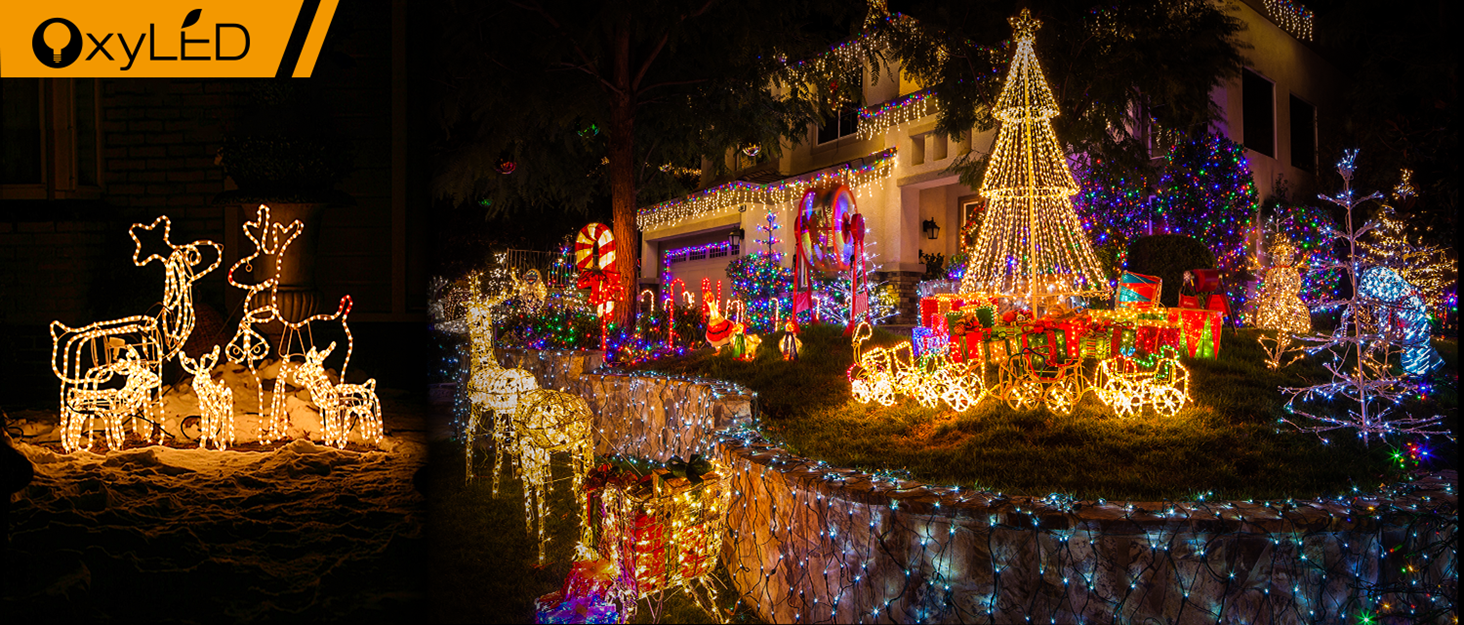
(1397, 310)
(494, 392)
(1127, 384)
(215, 401)
(94, 360)
(594, 257)
(549, 422)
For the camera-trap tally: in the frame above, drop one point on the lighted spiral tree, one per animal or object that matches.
(1031, 244)
(1361, 367)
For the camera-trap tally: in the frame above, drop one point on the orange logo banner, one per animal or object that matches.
(163, 38)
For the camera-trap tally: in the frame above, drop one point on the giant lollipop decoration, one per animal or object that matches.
(830, 234)
(594, 257)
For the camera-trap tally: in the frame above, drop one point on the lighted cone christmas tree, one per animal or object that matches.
(1031, 244)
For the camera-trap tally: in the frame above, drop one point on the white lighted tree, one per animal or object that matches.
(1031, 244)
(1361, 363)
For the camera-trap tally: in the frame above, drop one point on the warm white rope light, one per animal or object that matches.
(248, 347)
(728, 197)
(91, 359)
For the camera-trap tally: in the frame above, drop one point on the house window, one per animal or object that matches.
(845, 123)
(52, 141)
(972, 209)
(1303, 135)
(1258, 113)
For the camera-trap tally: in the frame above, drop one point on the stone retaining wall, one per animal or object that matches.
(813, 543)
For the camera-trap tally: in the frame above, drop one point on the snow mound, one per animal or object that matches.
(302, 532)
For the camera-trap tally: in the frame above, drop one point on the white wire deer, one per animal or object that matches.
(215, 401)
(493, 390)
(548, 422)
(112, 370)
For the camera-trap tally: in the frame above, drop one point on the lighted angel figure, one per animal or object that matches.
(112, 370)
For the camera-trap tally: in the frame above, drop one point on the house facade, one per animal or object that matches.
(899, 168)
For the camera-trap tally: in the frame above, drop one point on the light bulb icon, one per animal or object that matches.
(57, 36)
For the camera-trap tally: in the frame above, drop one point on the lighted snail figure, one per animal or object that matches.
(830, 238)
(594, 257)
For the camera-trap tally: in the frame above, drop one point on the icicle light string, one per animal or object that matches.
(727, 197)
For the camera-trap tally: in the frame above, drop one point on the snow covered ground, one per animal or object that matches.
(297, 531)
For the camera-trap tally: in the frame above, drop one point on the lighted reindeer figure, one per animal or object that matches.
(493, 390)
(341, 405)
(248, 347)
(112, 370)
(215, 401)
(547, 422)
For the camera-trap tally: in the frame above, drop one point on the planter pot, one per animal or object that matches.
(297, 296)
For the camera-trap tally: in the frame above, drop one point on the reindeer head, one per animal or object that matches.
(181, 268)
(270, 239)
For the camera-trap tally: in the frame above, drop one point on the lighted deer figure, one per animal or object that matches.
(261, 306)
(112, 370)
(215, 401)
(546, 422)
(494, 391)
(341, 405)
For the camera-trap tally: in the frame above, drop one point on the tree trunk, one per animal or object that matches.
(622, 177)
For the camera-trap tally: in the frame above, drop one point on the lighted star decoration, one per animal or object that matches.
(1024, 26)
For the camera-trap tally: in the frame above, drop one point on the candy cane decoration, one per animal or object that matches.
(594, 256)
(594, 248)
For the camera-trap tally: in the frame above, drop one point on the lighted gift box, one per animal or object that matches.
(663, 528)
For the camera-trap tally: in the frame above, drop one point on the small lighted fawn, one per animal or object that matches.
(340, 404)
(215, 401)
(493, 390)
(547, 422)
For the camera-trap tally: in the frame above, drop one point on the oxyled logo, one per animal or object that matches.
(58, 43)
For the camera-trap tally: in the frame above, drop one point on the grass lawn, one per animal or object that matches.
(1226, 444)
(485, 564)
